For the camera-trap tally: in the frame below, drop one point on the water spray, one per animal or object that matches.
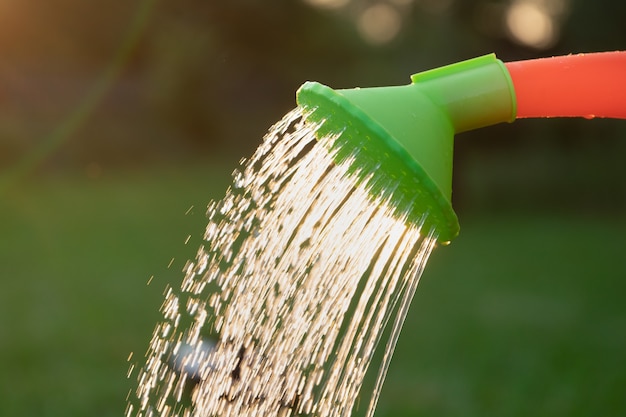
(299, 276)
(403, 135)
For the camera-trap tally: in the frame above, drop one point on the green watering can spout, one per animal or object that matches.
(401, 138)
(408, 131)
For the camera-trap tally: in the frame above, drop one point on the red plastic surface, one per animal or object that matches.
(584, 85)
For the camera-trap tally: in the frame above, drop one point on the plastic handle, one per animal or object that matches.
(583, 85)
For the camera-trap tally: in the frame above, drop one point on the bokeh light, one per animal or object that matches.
(328, 4)
(379, 24)
(535, 23)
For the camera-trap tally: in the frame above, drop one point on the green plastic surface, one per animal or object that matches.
(404, 135)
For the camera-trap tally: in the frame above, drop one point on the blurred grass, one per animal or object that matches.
(77, 254)
(522, 315)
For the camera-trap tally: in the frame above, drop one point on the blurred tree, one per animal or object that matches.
(210, 77)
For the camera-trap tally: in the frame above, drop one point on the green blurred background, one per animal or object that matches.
(120, 121)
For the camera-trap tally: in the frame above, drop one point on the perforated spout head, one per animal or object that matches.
(400, 139)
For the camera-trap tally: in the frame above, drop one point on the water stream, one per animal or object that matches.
(282, 309)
